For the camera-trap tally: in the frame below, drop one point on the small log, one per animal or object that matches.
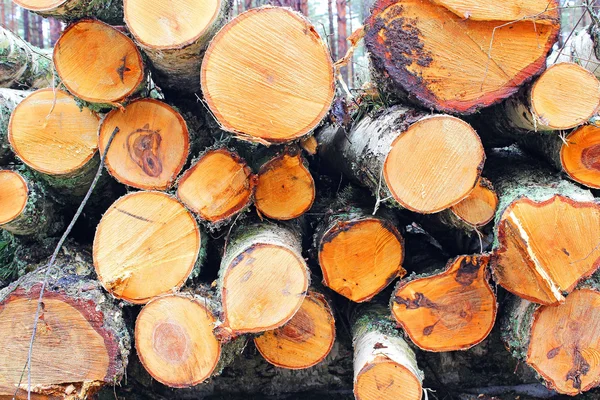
(97, 63)
(82, 342)
(146, 245)
(391, 153)
(174, 36)
(175, 342)
(267, 76)
(550, 104)
(285, 188)
(109, 11)
(218, 186)
(359, 253)
(23, 65)
(52, 135)
(560, 342)
(452, 309)
(477, 209)
(305, 340)
(263, 278)
(543, 224)
(9, 98)
(459, 56)
(151, 147)
(25, 207)
(385, 367)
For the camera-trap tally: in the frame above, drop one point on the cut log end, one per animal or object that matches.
(151, 146)
(360, 258)
(145, 245)
(285, 188)
(479, 207)
(453, 310)
(554, 102)
(384, 379)
(434, 164)
(52, 134)
(42, 5)
(97, 63)
(281, 63)
(565, 343)
(263, 287)
(536, 243)
(170, 25)
(420, 46)
(305, 340)
(580, 156)
(175, 342)
(218, 186)
(13, 196)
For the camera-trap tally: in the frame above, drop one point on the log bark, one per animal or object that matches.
(558, 342)
(418, 50)
(449, 309)
(536, 218)
(218, 186)
(305, 340)
(151, 147)
(581, 49)
(109, 11)
(9, 98)
(388, 161)
(174, 37)
(385, 367)
(359, 253)
(280, 62)
(53, 136)
(263, 278)
(77, 319)
(146, 244)
(109, 74)
(23, 66)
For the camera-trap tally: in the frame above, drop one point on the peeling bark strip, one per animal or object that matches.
(151, 147)
(537, 213)
(97, 63)
(174, 36)
(453, 56)
(23, 66)
(385, 367)
(305, 340)
(78, 319)
(388, 150)
(145, 245)
(449, 310)
(263, 278)
(560, 342)
(109, 11)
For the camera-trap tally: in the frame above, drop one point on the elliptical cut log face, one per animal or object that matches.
(175, 342)
(145, 245)
(451, 310)
(267, 76)
(305, 340)
(97, 63)
(151, 146)
(13, 196)
(479, 207)
(580, 155)
(459, 57)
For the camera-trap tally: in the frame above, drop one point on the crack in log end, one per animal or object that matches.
(580, 367)
(419, 301)
(590, 157)
(299, 329)
(143, 147)
(553, 353)
(134, 216)
(123, 68)
(468, 270)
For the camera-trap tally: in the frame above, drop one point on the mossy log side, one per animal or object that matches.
(23, 66)
(9, 98)
(543, 223)
(82, 342)
(109, 11)
(425, 163)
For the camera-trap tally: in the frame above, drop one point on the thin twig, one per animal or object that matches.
(51, 263)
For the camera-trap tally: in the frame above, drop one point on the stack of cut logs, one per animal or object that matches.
(250, 210)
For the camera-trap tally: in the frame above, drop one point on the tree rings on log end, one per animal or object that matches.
(580, 155)
(13, 196)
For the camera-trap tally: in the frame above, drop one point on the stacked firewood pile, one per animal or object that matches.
(434, 234)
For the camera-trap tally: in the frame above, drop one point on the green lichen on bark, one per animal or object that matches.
(23, 66)
(109, 11)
